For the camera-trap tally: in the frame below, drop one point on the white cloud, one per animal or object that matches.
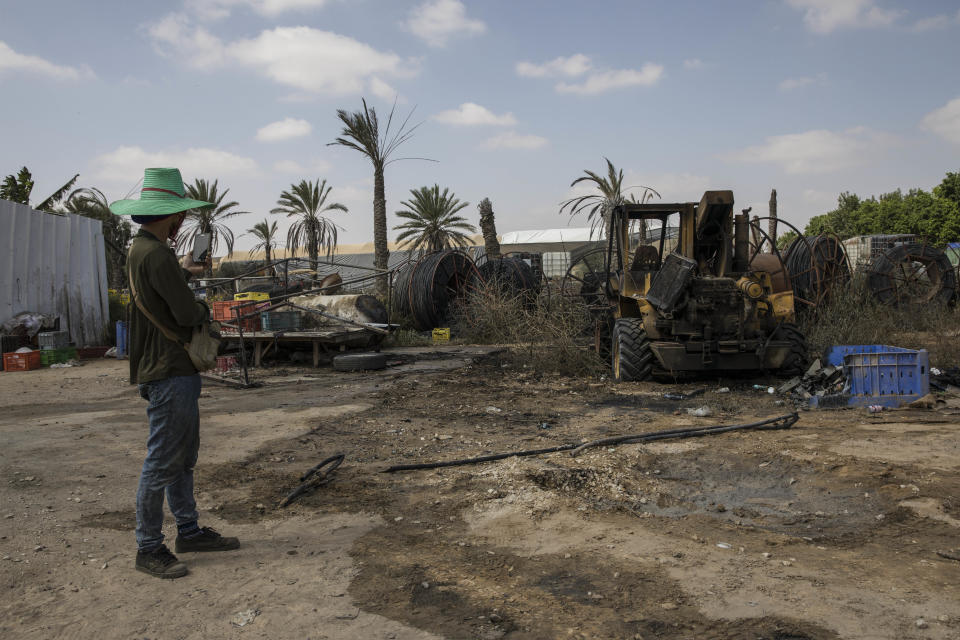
(945, 121)
(217, 9)
(314, 60)
(826, 16)
(693, 64)
(285, 129)
(305, 58)
(125, 165)
(816, 151)
(471, 114)
(295, 168)
(575, 65)
(790, 84)
(935, 22)
(931, 23)
(514, 140)
(435, 21)
(174, 36)
(10, 60)
(601, 81)
(382, 90)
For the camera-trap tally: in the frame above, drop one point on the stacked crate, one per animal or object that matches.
(224, 312)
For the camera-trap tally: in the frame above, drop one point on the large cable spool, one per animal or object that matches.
(817, 265)
(400, 300)
(436, 281)
(512, 276)
(912, 273)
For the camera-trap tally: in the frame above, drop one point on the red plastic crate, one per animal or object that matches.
(21, 361)
(226, 363)
(223, 312)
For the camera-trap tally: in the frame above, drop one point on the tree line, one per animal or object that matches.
(430, 220)
(934, 215)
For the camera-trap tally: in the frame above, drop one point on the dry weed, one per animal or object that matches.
(854, 316)
(548, 334)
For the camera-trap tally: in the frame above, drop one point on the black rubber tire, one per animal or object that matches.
(631, 357)
(359, 361)
(798, 359)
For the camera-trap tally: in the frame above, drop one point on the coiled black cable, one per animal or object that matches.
(437, 280)
(816, 265)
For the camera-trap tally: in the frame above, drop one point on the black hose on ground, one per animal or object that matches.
(314, 477)
(780, 422)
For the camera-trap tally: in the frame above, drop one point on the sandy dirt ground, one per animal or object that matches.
(827, 530)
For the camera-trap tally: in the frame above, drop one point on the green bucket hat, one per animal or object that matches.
(161, 195)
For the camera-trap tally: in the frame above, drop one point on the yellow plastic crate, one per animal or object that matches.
(252, 295)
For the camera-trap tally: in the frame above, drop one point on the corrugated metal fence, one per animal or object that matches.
(54, 265)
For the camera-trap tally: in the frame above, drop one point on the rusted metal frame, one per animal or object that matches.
(790, 276)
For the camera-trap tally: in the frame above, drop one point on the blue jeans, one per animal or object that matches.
(172, 448)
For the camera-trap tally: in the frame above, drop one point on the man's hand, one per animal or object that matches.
(195, 268)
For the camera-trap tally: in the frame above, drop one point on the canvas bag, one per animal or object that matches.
(204, 343)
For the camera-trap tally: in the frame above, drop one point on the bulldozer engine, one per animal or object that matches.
(708, 306)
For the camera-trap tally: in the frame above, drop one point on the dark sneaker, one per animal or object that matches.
(206, 540)
(160, 563)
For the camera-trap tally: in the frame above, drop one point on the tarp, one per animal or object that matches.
(54, 265)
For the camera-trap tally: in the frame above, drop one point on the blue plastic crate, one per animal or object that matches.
(280, 320)
(882, 375)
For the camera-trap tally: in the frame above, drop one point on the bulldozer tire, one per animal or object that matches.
(799, 357)
(631, 356)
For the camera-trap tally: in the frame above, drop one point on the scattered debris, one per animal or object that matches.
(700, 412)
(928, 401)
(243, 618)
(680, 395)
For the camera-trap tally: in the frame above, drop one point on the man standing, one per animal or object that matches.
(167, 379)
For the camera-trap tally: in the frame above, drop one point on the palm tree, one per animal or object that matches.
(265, 232)
(361, 132)
(599, 206)
(18, 188)
(210, 219)
(432, 223)
(306, 201)
(488, 227)
(117, 231)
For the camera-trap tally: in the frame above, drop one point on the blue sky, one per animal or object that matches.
(812, 97)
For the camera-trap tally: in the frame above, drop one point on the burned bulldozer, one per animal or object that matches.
(702, 304)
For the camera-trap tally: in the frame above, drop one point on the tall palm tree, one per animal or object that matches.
(265, 232)
(431, 221)
(599, 206)
(361, 132)
(117, 231)
(18, 188)
(306, 201)
(210, 219)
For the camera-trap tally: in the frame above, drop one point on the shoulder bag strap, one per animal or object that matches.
(165, 331)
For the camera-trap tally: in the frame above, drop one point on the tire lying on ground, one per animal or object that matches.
(359, 362)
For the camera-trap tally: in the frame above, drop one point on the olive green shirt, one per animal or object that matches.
(161, 285)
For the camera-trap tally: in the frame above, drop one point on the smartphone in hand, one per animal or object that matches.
(201, 248)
